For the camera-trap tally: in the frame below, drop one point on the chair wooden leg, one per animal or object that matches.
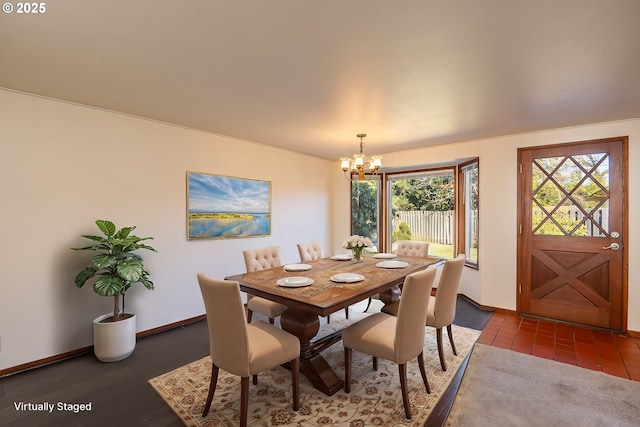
(347, 370)
(244, 400)
(450, 333)
(255, 380)
(423, 372)
(295, 380)
(368, 304)
(375, 363)
(440, 350)
(402, 368)
(249, 315)
(212, 388)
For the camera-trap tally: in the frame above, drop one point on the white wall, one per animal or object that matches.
(494, 284)
(63, 166)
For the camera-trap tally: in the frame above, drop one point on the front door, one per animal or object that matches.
(571, 237)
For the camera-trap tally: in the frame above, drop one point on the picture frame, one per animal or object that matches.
(225, 207)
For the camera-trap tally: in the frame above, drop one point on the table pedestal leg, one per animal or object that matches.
(390, 295)
(305, 326)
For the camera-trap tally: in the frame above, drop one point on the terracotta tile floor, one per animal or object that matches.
(582, 346)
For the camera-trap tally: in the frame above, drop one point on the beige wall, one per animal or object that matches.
(64, 166)
(494, 284)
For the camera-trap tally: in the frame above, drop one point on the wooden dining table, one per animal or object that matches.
(324, 296)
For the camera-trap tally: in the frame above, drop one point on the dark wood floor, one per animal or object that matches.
(119, 393)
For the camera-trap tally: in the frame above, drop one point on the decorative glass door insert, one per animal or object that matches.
(571, 195)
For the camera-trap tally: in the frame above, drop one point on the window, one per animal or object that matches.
(422, 208)
(468, 238)
(437, 205)
(365, 211)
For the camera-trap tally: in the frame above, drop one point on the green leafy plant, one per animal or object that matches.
(403, 232)
(115, 266)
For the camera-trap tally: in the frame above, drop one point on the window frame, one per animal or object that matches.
(462, 212)
(379, 189)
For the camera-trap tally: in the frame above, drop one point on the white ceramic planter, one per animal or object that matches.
(114, 341)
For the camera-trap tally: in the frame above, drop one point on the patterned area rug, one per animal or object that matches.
(375, 398)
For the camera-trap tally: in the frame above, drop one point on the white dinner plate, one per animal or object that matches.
(392, 264)
(294, 282)
(347, 277)
(384, 255)
(342, 257)
(297, 267)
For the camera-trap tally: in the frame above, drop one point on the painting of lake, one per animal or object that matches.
(221, 207)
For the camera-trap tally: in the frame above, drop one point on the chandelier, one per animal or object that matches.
(357, 163)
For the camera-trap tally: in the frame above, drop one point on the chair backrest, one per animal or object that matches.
(310, 251)
(412, 248)
(410, 329)
(228, 338)
(261, 259)
(444, 309)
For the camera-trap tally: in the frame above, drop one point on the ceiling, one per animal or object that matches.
(310, 75)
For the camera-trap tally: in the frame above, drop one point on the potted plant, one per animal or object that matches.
(115, 268)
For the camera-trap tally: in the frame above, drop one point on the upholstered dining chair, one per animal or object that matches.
(241, 348)
(260, 259)
(406, 248)
(412, 248)
(398, 339)
(309, 252)
(442, 308)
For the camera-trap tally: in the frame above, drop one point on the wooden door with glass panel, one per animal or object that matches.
(572, 220)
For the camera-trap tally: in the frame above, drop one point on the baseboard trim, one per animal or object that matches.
(84, 350)
(44, 362)
(170, 326)
(486, 307)
(633, 334)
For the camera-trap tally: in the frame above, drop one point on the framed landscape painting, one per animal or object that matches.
(220, 207)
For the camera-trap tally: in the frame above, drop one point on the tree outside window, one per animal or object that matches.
(364, 209)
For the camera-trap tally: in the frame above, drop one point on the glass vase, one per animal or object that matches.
(357, 255)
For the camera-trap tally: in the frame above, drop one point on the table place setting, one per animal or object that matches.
(296, 267)
(342, 257)
(295, 282)
(385, 255)
(392, 264)
(346, 278)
